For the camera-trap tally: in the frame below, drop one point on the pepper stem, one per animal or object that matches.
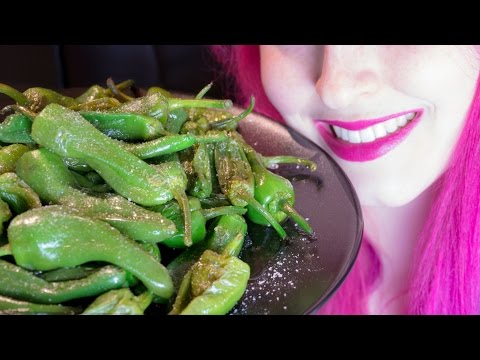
(202, 92)
(271, 161)
(290, 211)
(116, 91)
(125, 84)
(199, 103)
(5, 250)
(22, 110)
(234, 120)
(14, 94)
(182, 200)
(258, 207)
(222, 210)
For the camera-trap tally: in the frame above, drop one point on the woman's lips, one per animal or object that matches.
(366, 140)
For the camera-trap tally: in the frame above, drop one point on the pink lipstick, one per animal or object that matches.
(365, 140)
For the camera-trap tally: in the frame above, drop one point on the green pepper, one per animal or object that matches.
(155, 89)
(5, 214)
(97, 105)
(214, 212)
(17, 193)
(274, 192)
(89, 185)
(9, 306)
(201, 164)
(22, 284)
(9, 156)
(232, 122)
(172, 172)
(16, 95)
(159, 106)
(68, 134)
(117, 92)
(16, 129)
(39, 97)
(217, 282)
(175, 120)
(215, 200)
(65, 274)
(161, 146)
(54, 236)
(119, 302)
(172, 211)
(96, 92)
(227, 228)
(273, 161)
(225, 235)
(45, 172)
(121, 126)
(237, 181)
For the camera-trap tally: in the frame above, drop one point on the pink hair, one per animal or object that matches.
(445, 276)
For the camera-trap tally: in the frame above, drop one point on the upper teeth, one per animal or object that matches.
(376, 131)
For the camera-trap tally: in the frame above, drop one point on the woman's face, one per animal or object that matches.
(390, 115)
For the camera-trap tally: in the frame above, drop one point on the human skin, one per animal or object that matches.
(352, 83)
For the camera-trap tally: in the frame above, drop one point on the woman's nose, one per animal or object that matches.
(349, 74)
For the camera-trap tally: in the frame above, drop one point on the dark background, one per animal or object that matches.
(185, 68)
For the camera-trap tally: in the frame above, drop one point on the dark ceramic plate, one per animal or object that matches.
(299, 274)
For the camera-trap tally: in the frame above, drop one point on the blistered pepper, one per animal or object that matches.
(9, 156)
(119, 302)
(9, 306)
(52, 237)
(19, 196)
(274, 192)
(237, 181)
(68, 134)
(46, 173)
(22, 284)
(216, 283)
(159, 106)
(125, 126)
(16, 129)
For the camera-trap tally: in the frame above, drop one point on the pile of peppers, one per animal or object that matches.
(94, 188)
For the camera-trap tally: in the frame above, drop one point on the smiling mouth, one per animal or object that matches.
(373, 132)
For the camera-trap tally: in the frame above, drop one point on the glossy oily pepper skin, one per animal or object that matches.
(225, 235)
(217, 283)
(46, 173)
(5, 214)
(119, 302)
(21, 284)
(173, 212)
(273, 192)
(16, 128)
(121, 126)
(9, 156)
(52, 237)
(237, 181)
(68, 134)
(19, 196)
(9, 306)
(39, 97)
(159, 106)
